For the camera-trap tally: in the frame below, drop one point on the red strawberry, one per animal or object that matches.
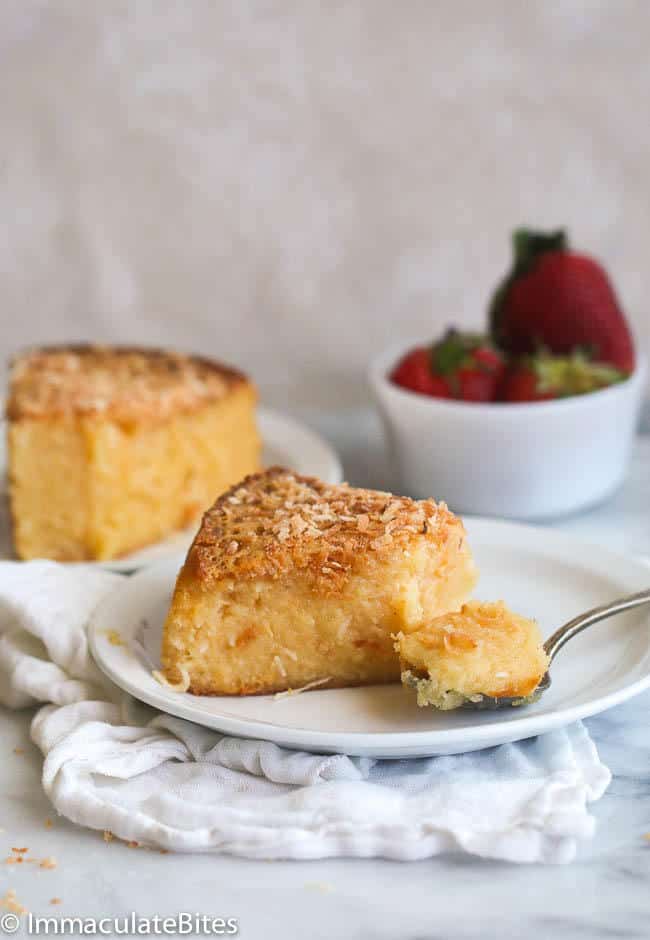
(476, 386)
(414, 372)
(460, 365)
(561, 300)
(542, 377)
(469, 363)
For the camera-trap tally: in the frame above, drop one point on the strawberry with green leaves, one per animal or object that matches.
(465, 366)
(414, 372)
(543, 377)
(560, 300)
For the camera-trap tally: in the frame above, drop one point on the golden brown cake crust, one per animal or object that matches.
(120, 383)
(277, 521)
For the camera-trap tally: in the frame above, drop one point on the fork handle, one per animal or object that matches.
(557, 640)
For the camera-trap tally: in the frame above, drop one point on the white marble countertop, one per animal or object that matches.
(604, 893)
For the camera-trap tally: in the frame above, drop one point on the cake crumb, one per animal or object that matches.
(19, 751)
(48, 862)
(323, 886)
(48, 823)
(108, 835)
(132, 844)
(55, 900)
(19, 851)
(10, 903)
(181, 686)
(115, 638)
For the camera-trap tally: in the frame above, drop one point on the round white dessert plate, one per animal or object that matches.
(285, 442)
(541, 573)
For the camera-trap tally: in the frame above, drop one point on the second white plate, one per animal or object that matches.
(540, 572)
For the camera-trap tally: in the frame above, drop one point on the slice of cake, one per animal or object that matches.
(482, 650)
(291, 581)
(113, 448)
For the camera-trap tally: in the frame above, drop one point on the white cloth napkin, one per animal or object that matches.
(111, 763)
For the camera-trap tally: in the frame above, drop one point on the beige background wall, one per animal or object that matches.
(293, 185)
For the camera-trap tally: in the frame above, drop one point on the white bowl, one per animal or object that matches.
(525, 461)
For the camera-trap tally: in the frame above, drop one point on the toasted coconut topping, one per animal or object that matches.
(277, 521)
(120, 383)
(303, 688)
(279, 665)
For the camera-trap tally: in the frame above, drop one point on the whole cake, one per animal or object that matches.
(112, 448)
(292, 582)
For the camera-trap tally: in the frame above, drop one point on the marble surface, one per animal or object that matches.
(603, 894)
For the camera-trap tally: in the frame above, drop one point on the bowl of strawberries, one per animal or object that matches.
(532, 418)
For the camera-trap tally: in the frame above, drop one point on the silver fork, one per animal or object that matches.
(555, 643)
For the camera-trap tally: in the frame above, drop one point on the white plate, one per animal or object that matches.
(540, 572)
(286, 442)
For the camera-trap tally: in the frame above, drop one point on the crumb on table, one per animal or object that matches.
(11, 903)
(323, 886)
